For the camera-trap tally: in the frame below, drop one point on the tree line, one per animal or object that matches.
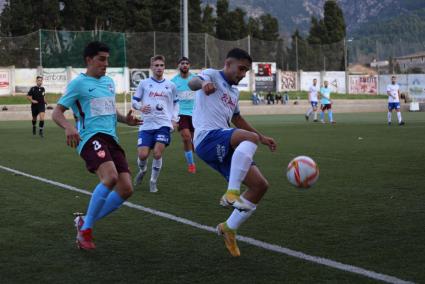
(307, 52)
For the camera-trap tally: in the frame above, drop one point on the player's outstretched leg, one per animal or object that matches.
(108, 176)
(188, 151)
(143, 167)
(85, 231)
(241, 162)
(308, 113)
(257, 187)
(322, 116)
(123, 190)
(142, 163)
(156, 165)
(400, 119)
(330, 115)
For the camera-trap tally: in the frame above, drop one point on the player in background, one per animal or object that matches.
(313, 100)
(186, 102)
(157, 99)
(229, 151)
(393, 92)
(37, 96)
(92, 98)
(325, 100)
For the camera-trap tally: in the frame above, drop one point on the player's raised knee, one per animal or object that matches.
(157, 155)
(143, 156)
(127, 192)
(110, 180)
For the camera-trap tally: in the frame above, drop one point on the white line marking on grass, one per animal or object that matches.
(248, 240)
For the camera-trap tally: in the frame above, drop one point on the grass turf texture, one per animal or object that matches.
(367, 209)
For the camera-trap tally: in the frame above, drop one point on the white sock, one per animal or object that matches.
(156, 169)
(315, 115)
(237, 218)
(241, 162)
(143, 165)
(389, 117)
(399, 116)
(309, 111)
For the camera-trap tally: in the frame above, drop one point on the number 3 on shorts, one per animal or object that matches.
(96, 145)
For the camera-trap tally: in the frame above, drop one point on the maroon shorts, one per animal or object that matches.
(185, 122)
(101, 148)
(326, 106)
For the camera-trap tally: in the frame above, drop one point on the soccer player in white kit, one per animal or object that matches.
(313, 100)
(156, 98)
(228, 150)
(393, 92)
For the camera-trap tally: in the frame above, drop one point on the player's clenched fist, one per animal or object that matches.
(208, 88)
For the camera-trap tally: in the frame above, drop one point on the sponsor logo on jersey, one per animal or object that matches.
(159, 107)
(157, 94)
(228, 100)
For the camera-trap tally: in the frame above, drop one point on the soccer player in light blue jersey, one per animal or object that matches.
(325, 100)
(186, 102)
(91, 96)
(230, 151)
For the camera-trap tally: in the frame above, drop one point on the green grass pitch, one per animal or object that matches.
(366, 210)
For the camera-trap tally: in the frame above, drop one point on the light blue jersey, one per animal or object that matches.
(185, 94)
(325, 95)
(93, 102)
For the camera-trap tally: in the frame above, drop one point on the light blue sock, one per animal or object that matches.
(322, 115)
(189, 157)
(330, 115)
(96, 203)
(112, 203)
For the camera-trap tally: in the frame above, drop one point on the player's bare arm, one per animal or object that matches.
(241, 123)
(129, 119)
(196, 84)
(71, 133)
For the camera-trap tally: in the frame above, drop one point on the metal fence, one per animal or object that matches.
(53, 49)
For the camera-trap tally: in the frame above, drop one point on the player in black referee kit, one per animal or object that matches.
(36, 96)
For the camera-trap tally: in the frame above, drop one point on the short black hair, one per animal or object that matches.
(183, 58)
(239, 54)
(39, 77)
(93, 48)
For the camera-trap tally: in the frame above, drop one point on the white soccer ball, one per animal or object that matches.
(302, 172)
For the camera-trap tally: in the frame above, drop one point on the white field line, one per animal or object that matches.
(248, 240)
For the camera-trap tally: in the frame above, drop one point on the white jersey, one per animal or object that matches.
(162, 98)
(216, 110)
(313, 91)
(393, 89)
